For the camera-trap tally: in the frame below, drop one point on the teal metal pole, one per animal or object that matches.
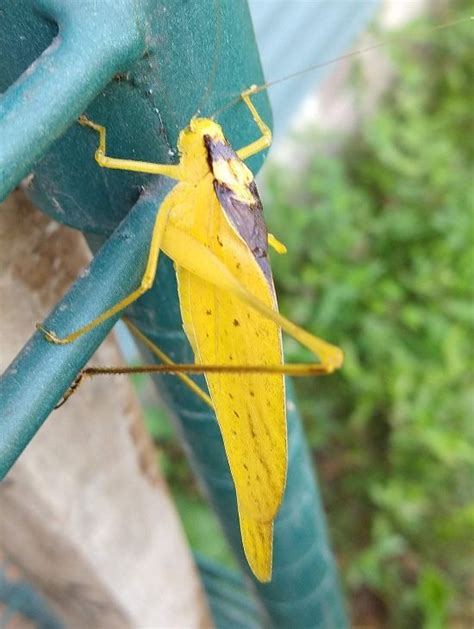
(87, 50)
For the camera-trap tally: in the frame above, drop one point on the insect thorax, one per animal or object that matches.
(204, 149)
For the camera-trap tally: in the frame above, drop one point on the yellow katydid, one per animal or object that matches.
(211, 225)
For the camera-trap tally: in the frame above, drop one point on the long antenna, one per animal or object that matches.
(356, 52)
(352, 53)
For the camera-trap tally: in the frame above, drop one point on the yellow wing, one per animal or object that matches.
(250, 408)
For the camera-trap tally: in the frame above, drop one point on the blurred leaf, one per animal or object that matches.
(433, 593)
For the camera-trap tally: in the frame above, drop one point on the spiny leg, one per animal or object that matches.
(169, 170)
(173, 368)
(180, 370)
(145, 284)
(266, 139)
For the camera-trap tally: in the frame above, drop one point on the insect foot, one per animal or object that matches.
(72, 389)
(253, 89)
(85, 122)
(49, 335)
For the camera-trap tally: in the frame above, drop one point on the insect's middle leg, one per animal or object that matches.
(265, 140)
(145, 284)
(154, 349)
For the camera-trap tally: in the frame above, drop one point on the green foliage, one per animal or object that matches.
(381, 260)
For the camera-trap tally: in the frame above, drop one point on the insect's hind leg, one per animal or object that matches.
(266, 139)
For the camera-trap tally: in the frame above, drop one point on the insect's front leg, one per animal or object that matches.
(266, 139)
(174, 171)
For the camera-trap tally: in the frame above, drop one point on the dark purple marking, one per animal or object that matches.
(247, 218)
(219, 150)
(249, 222)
